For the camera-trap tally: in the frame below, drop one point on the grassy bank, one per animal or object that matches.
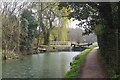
(76, 64)
(110, 69)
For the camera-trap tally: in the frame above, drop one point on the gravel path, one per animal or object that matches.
(92, 68)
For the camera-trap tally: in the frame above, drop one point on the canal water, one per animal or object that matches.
(46, 65)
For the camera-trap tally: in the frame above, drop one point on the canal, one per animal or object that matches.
(46, 65)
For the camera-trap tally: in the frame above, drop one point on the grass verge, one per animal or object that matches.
(76, 64)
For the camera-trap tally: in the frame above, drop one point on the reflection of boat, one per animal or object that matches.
(78, 48)
(39, 50)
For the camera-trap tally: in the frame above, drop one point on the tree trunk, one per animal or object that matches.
(46, 38)
(117, 56)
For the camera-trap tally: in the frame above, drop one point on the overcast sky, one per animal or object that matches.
(72, 24)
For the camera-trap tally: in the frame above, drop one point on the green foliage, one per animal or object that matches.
(116, 77)
(110, 69)
(64, 29)
(29, 25)
(99, 29)
(84, 13)
(76, 64)
(24, 23)
(54, 35)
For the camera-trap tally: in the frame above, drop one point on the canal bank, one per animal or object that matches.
(7, 55)
(77, 63)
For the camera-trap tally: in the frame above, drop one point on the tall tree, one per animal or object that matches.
(46, 18)
(29, 26)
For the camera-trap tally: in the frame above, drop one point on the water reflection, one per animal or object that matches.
(48, 65)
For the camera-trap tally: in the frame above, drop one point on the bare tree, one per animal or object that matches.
(46, 18)
(75, 35)
(10, 12)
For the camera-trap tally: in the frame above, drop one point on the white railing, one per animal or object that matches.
(60, 43)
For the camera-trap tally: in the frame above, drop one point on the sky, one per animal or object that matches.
(72, 24)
